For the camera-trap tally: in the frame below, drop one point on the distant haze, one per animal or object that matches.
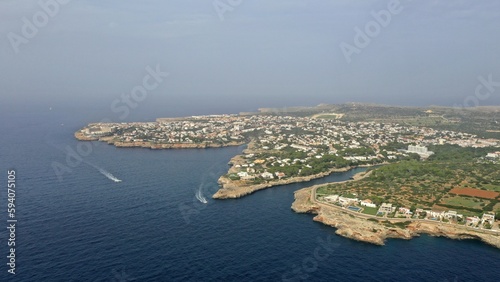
(257, 53)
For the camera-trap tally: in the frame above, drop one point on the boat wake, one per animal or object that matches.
(101, 170)
(209, 182)
(199, 195)
(109, 175)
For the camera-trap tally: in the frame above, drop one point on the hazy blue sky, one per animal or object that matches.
(261, 54)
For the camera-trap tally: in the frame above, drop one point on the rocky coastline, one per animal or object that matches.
(82, 137)
(347, 223)
(375, 231)
(230, 189)
(234, 189)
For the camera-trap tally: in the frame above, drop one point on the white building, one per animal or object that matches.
(450, 214)
(435, 214)
(421, 150)
(332, 198)
(267, 175)
(472, 219)
(344, 200)
(493, 155)
(388, 208)
(488, 217)
(404, 210)
(368, 203)
(242, 174)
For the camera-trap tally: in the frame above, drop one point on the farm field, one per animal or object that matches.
(466, 202)
(475, 193)
(492, 187)
(453, 179)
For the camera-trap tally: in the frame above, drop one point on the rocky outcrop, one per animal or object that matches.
(347, 225)
(235, 189)
(153, 146)
(375, 232)
(82, 137)
(231, 189)
(453, 232)
(111, 141)
(303, 204)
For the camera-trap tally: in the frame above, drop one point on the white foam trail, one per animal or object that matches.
(109, 175)
(199, 195)
(102, 171)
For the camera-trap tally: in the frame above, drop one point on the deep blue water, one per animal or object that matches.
(150, 227)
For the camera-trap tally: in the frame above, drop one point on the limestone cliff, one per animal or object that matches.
(374, 232)
(111, 141)
(235, 189)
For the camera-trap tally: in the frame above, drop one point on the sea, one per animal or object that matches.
(88, 211)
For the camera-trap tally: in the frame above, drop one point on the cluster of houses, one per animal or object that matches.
(386, 209)
(100, 130)
(355, 142)
(439, 215)
(474, 221)
(251, 175)
(301, 133)
(253, 168)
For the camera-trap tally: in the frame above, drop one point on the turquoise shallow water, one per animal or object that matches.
(150, 227)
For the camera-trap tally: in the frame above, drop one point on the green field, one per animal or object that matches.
(492, 187)
(368, 210)
(466, 202)
(323, 190)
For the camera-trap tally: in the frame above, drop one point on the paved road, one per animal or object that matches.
(367, 216)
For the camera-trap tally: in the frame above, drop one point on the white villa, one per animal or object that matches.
(388, 208)
(488, 217)
(367, 203)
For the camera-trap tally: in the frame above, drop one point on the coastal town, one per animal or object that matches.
(414, 173)
(286, 146)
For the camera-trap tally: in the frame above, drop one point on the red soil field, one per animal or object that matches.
(475, 193)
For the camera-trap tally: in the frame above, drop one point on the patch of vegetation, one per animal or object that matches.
(427, 184)
(369, 210)
(465, 202)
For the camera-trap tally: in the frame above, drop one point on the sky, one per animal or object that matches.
(240, 55)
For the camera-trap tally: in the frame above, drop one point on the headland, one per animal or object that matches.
(440, 173)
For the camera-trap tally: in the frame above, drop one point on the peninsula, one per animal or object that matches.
(440, 170)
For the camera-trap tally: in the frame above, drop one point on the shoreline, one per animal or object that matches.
(366, 228)
(349, 224)
(231, 190)
(148, 145)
